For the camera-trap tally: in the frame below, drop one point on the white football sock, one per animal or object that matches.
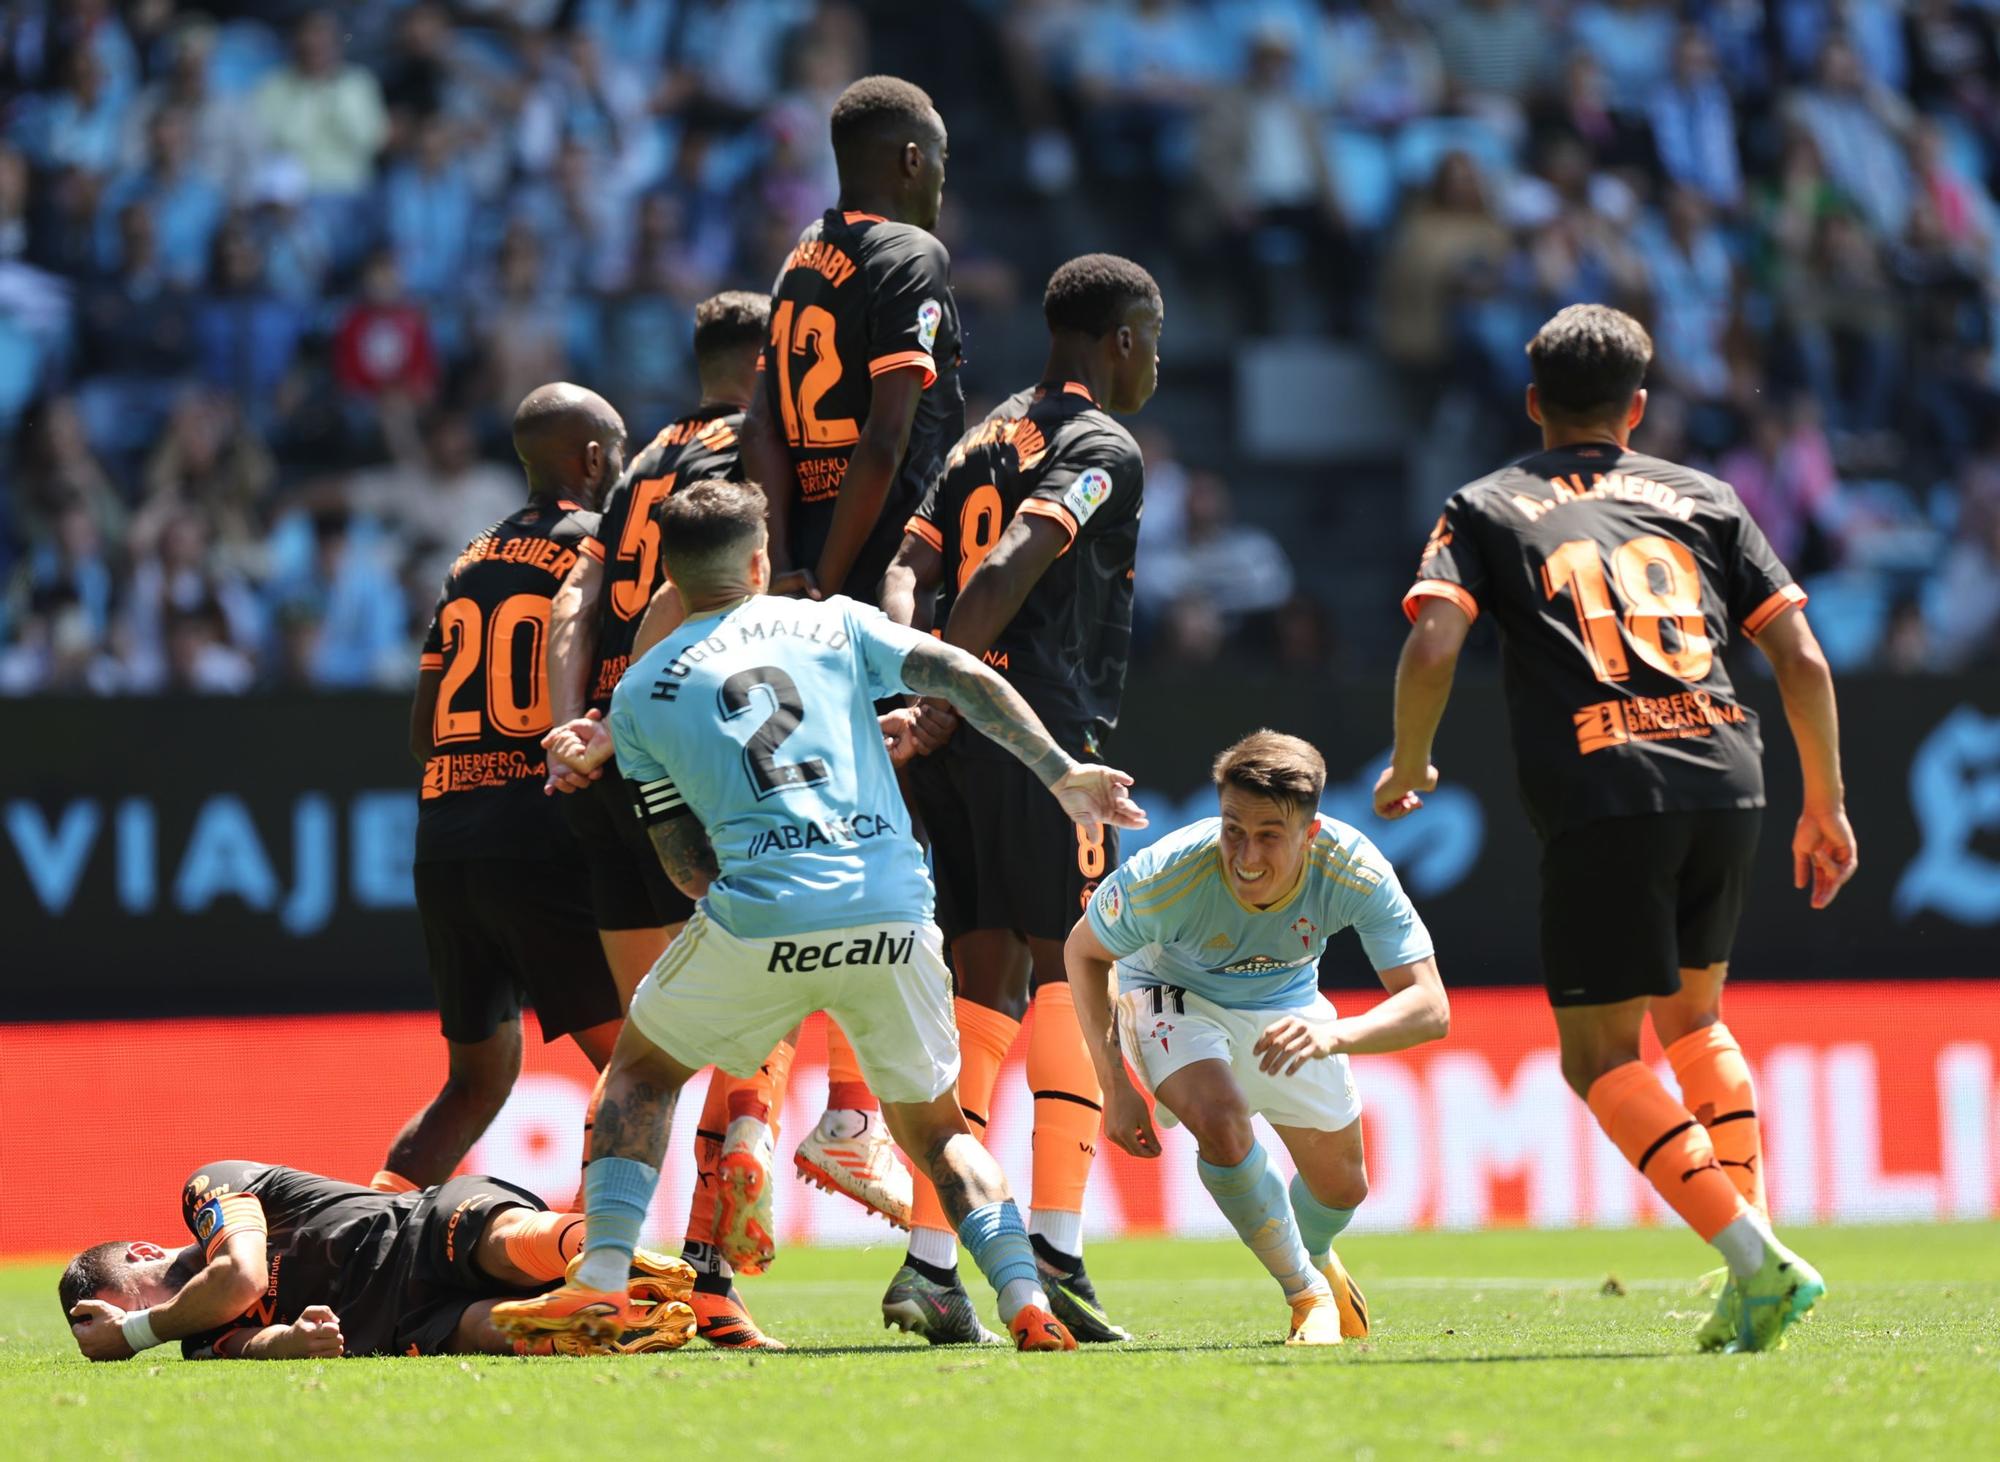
(934, 1246)
(1061, 1231)
(837, 1123)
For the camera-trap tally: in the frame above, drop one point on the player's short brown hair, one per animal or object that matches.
(736, 319)
(874, 106)
(1282, 769)
(707, 527)
(96, 1269)
(1091, 293)
(1588, 360)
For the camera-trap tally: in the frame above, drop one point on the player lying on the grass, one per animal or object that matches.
(750, 739)
(1206, 945)
(1028, 541)
(287, 1264)
(1617, 581)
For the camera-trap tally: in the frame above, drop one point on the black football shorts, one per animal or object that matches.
(436, 1253)
(1004, 853)
(504, 932)
(628, 887)
(1630, 902)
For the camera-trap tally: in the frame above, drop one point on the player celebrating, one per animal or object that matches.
(750, 743)
(1031, 533)
(287, 1264)
(1217, 932)
(503, 898)
(1615, 580)
(860, 401)
(638, 911)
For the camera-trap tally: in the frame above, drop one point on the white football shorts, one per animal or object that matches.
(715, 999)
(1163, 1028)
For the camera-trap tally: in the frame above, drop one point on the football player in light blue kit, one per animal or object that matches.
(1198, 962)
(749, 739)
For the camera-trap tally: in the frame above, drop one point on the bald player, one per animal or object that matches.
(501, 887)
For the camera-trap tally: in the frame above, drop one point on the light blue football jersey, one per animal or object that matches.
(760, 720)
(1171, 917)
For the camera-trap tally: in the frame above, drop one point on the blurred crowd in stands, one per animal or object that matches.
(272, 279)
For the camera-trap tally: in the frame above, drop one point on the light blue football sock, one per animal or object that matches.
(998, 1242)
(616, 1194)
(1319, 1225)
(1252, 1197)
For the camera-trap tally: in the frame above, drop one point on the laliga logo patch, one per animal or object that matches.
(1087, 494)
(929, 316)
(1108, 903)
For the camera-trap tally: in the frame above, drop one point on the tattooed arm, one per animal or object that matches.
(684, 851)
(1089, 794)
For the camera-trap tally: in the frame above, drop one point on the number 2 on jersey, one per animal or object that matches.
(468, 642)
(760, 753)
(812, 332)
(1649, 607)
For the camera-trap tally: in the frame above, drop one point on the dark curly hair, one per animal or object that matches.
(1588, 360)
(1090, 294)
(732, 320)
(874, 105)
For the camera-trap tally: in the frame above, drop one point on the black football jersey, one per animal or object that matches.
(859, 296)
(1616, 581)
(328, 1243)
(1053, 451)
(692, 449)
(482, 787)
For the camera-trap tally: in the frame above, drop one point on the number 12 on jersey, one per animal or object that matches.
(1658, 589)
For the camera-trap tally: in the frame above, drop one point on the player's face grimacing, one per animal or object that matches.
(1263, 845)
(1137, 370)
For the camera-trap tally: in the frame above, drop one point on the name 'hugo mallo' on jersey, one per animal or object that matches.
(1054, 452)
(1171, 918)
(759, 720)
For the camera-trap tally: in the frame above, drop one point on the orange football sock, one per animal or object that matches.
(544, 1243)
(1069, 1105)
(764, 1093)
(709, 1129)
(846, 1089)
(1671, 1150)
(1715, 1084)
(984, 1038)
(388, 1182)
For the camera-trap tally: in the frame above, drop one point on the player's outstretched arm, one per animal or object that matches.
(1416, 1011)
(685, 852)
(227, 1286)
(1423, 686)
(1824, 851)
(1089, 794)
(572, 637)
(1093, 984)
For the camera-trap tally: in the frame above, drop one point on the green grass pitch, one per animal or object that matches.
(1504, 1344)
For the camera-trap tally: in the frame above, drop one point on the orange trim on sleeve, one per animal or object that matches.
(240, 1213)
(1041, 507)
(1771, 608)
(592, 547)
(1439, 589)
(904, 360)
(430, 662)
(925, 529)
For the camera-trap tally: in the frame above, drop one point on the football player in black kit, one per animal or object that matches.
(286, 1265)
(1029, 539)
(859, 401)
(1616, 581)
(501, 891)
